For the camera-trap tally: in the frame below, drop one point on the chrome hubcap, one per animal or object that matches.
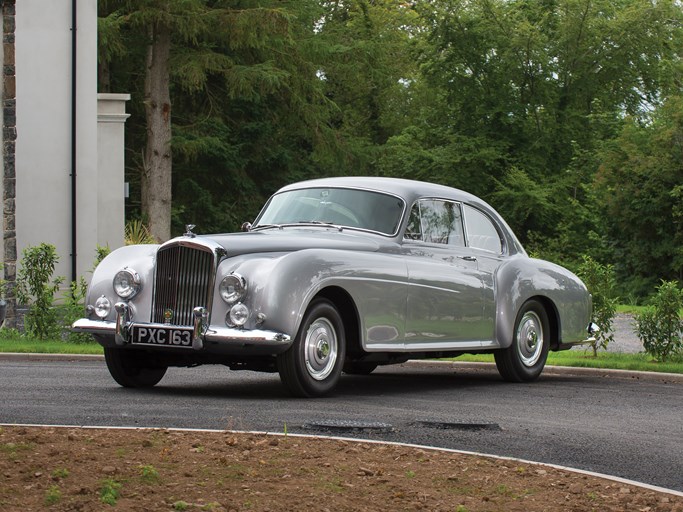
(320, 349)
(530, 338)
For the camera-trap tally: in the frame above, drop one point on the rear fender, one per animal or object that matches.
(564, 295)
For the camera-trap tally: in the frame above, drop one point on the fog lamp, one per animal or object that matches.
(102, 307)
(238, 315)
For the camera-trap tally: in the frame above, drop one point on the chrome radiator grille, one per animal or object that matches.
(184, 280)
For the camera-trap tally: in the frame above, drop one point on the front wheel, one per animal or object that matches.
(133, 369)
(312, 365)
(523, 361)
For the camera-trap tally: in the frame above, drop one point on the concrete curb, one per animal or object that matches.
(564, 370)
(456, 365)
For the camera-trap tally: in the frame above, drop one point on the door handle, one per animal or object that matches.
(468, 258)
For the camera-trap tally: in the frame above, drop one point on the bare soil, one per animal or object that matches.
(71, 469)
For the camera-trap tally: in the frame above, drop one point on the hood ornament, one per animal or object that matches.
(188, 230)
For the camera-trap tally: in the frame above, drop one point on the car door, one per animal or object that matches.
(486, 244)
(445, 307)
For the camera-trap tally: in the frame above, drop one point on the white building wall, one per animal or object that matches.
(43, 149)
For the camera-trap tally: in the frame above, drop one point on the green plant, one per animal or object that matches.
(109, 491)
(60, 473)
(3, 283)
(181, 505)
(149, 474)
(101, 253)
(137, 233)
(599, 279)
(36, 288)
(72, 309)
(660, 327)
(53, 495)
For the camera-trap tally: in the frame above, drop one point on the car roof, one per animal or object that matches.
(410, 191)
(407, 189)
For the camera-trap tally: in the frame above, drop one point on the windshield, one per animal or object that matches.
(361, 209)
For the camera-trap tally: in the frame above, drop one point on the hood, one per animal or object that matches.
(289, 240)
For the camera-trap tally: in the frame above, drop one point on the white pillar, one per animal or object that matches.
(111, 118)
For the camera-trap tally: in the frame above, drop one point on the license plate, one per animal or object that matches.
(162, 336)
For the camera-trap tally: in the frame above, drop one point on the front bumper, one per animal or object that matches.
(202, 335)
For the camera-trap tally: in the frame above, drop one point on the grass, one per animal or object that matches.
(607, 360)
(11, 341)
(24, 346)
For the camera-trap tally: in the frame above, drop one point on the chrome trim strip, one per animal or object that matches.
(221, 335)
(85, 325)
(270, 338)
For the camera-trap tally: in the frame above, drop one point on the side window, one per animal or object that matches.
(436, 221)
(414, 229)
(481, 233)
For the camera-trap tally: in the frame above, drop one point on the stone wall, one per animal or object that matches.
(9, 137)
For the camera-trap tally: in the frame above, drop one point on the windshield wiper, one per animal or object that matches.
(266, 226)
(320, 223)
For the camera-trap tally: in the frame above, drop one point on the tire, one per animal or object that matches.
(311, 367)
(359, 368)
(523, 361)
(132, 369)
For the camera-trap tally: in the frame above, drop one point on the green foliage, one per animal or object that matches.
(563, 114)
(599, 279)
(100, 254)
(53, 495)
(660, 327)
(36, 289)
(640, 181)
(136, 232)
(71, 310)
(109, 491)
(149, 474)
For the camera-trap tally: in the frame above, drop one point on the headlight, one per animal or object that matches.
(233, 288)
(102, 307)
(237, 316)
(126, 283)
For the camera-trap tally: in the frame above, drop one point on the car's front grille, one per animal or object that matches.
(184, 280)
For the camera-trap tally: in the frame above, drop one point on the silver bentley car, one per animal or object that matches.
(337, 275)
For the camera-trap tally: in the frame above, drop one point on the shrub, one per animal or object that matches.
(599, 279)
(72, 309)
(659, 327)
(36, 289)
(136, 232)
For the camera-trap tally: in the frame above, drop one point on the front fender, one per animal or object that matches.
(137, 257)
(521, 279)
(281, 287)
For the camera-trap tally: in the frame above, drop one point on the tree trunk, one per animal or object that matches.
(157, 166)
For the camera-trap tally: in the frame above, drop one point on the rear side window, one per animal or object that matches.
(481, 233)
(436, 221)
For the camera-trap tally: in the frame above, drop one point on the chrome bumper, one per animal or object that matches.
(202, 333)
(593, 329)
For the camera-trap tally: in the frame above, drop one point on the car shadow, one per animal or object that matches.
(385, 381)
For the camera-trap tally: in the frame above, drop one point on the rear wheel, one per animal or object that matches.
(523, 361)
(133, 369)
(312, 365)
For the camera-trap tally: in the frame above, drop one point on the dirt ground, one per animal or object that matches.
(71, 469)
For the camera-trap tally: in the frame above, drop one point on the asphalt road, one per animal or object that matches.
(626, 427)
